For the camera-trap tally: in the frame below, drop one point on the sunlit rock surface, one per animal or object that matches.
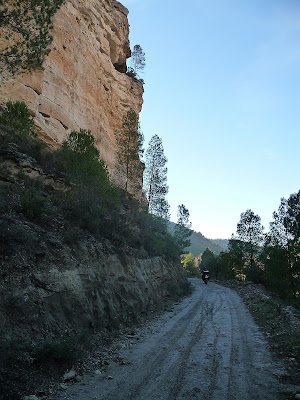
(83, 82)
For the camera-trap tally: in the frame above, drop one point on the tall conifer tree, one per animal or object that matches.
(183, 228)
(155, 179)
(130, 140)
(138, 59)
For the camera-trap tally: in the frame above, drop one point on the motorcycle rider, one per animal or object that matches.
(205, 275)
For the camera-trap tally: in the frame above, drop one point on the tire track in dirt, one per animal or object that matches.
(181, 366)
(173, 341)
(208, 347)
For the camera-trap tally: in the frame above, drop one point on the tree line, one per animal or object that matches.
(272, 258)
(154, 184)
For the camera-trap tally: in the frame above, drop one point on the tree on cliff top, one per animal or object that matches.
(130, 141)
(138, 59)
(137, 62)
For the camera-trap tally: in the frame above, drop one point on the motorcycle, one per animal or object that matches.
(205, 276)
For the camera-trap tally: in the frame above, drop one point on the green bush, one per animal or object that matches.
(79, 158)
(17, 126)
(15, 118)
(31, 203)
(189, 264)
(94, 200)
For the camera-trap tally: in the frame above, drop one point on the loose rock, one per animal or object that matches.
(68, 376)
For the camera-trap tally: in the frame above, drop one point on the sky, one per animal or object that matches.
(222, 91)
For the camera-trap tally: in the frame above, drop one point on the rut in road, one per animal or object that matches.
(208, 348)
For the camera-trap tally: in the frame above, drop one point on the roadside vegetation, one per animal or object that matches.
(271, 259)
(93, 202)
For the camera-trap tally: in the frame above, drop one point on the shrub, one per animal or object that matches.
(15, 118)
(130, 72)
(189, 264)
(82, 143)
(94, 200)
(17, 126)
(63, 350)
(80, 159)
(31, 203)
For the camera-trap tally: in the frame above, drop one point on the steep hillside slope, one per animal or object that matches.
(59, 281)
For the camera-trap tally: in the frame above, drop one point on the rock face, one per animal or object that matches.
(70, 289)
(82, 84)
(16, 166)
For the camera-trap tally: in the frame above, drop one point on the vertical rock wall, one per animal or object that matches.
(83, 82)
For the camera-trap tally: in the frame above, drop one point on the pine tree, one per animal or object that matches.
(155, 179)
(138, 59)
(283, 243)
(249, 237)
(130, 141)
(183, 228)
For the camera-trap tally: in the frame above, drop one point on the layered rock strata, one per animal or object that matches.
(67, 289)
(15, 167)
(83, 82)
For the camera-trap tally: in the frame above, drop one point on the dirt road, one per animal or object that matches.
(207, 347)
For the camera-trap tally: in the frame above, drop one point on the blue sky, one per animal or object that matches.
(222, 90)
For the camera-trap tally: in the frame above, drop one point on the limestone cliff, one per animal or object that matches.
(82, 83)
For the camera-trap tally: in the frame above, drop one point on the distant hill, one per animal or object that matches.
(199, 242)
(222, 243)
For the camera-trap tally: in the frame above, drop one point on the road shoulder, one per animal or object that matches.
(280, 324)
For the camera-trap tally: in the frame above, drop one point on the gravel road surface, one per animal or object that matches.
(207, 347)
